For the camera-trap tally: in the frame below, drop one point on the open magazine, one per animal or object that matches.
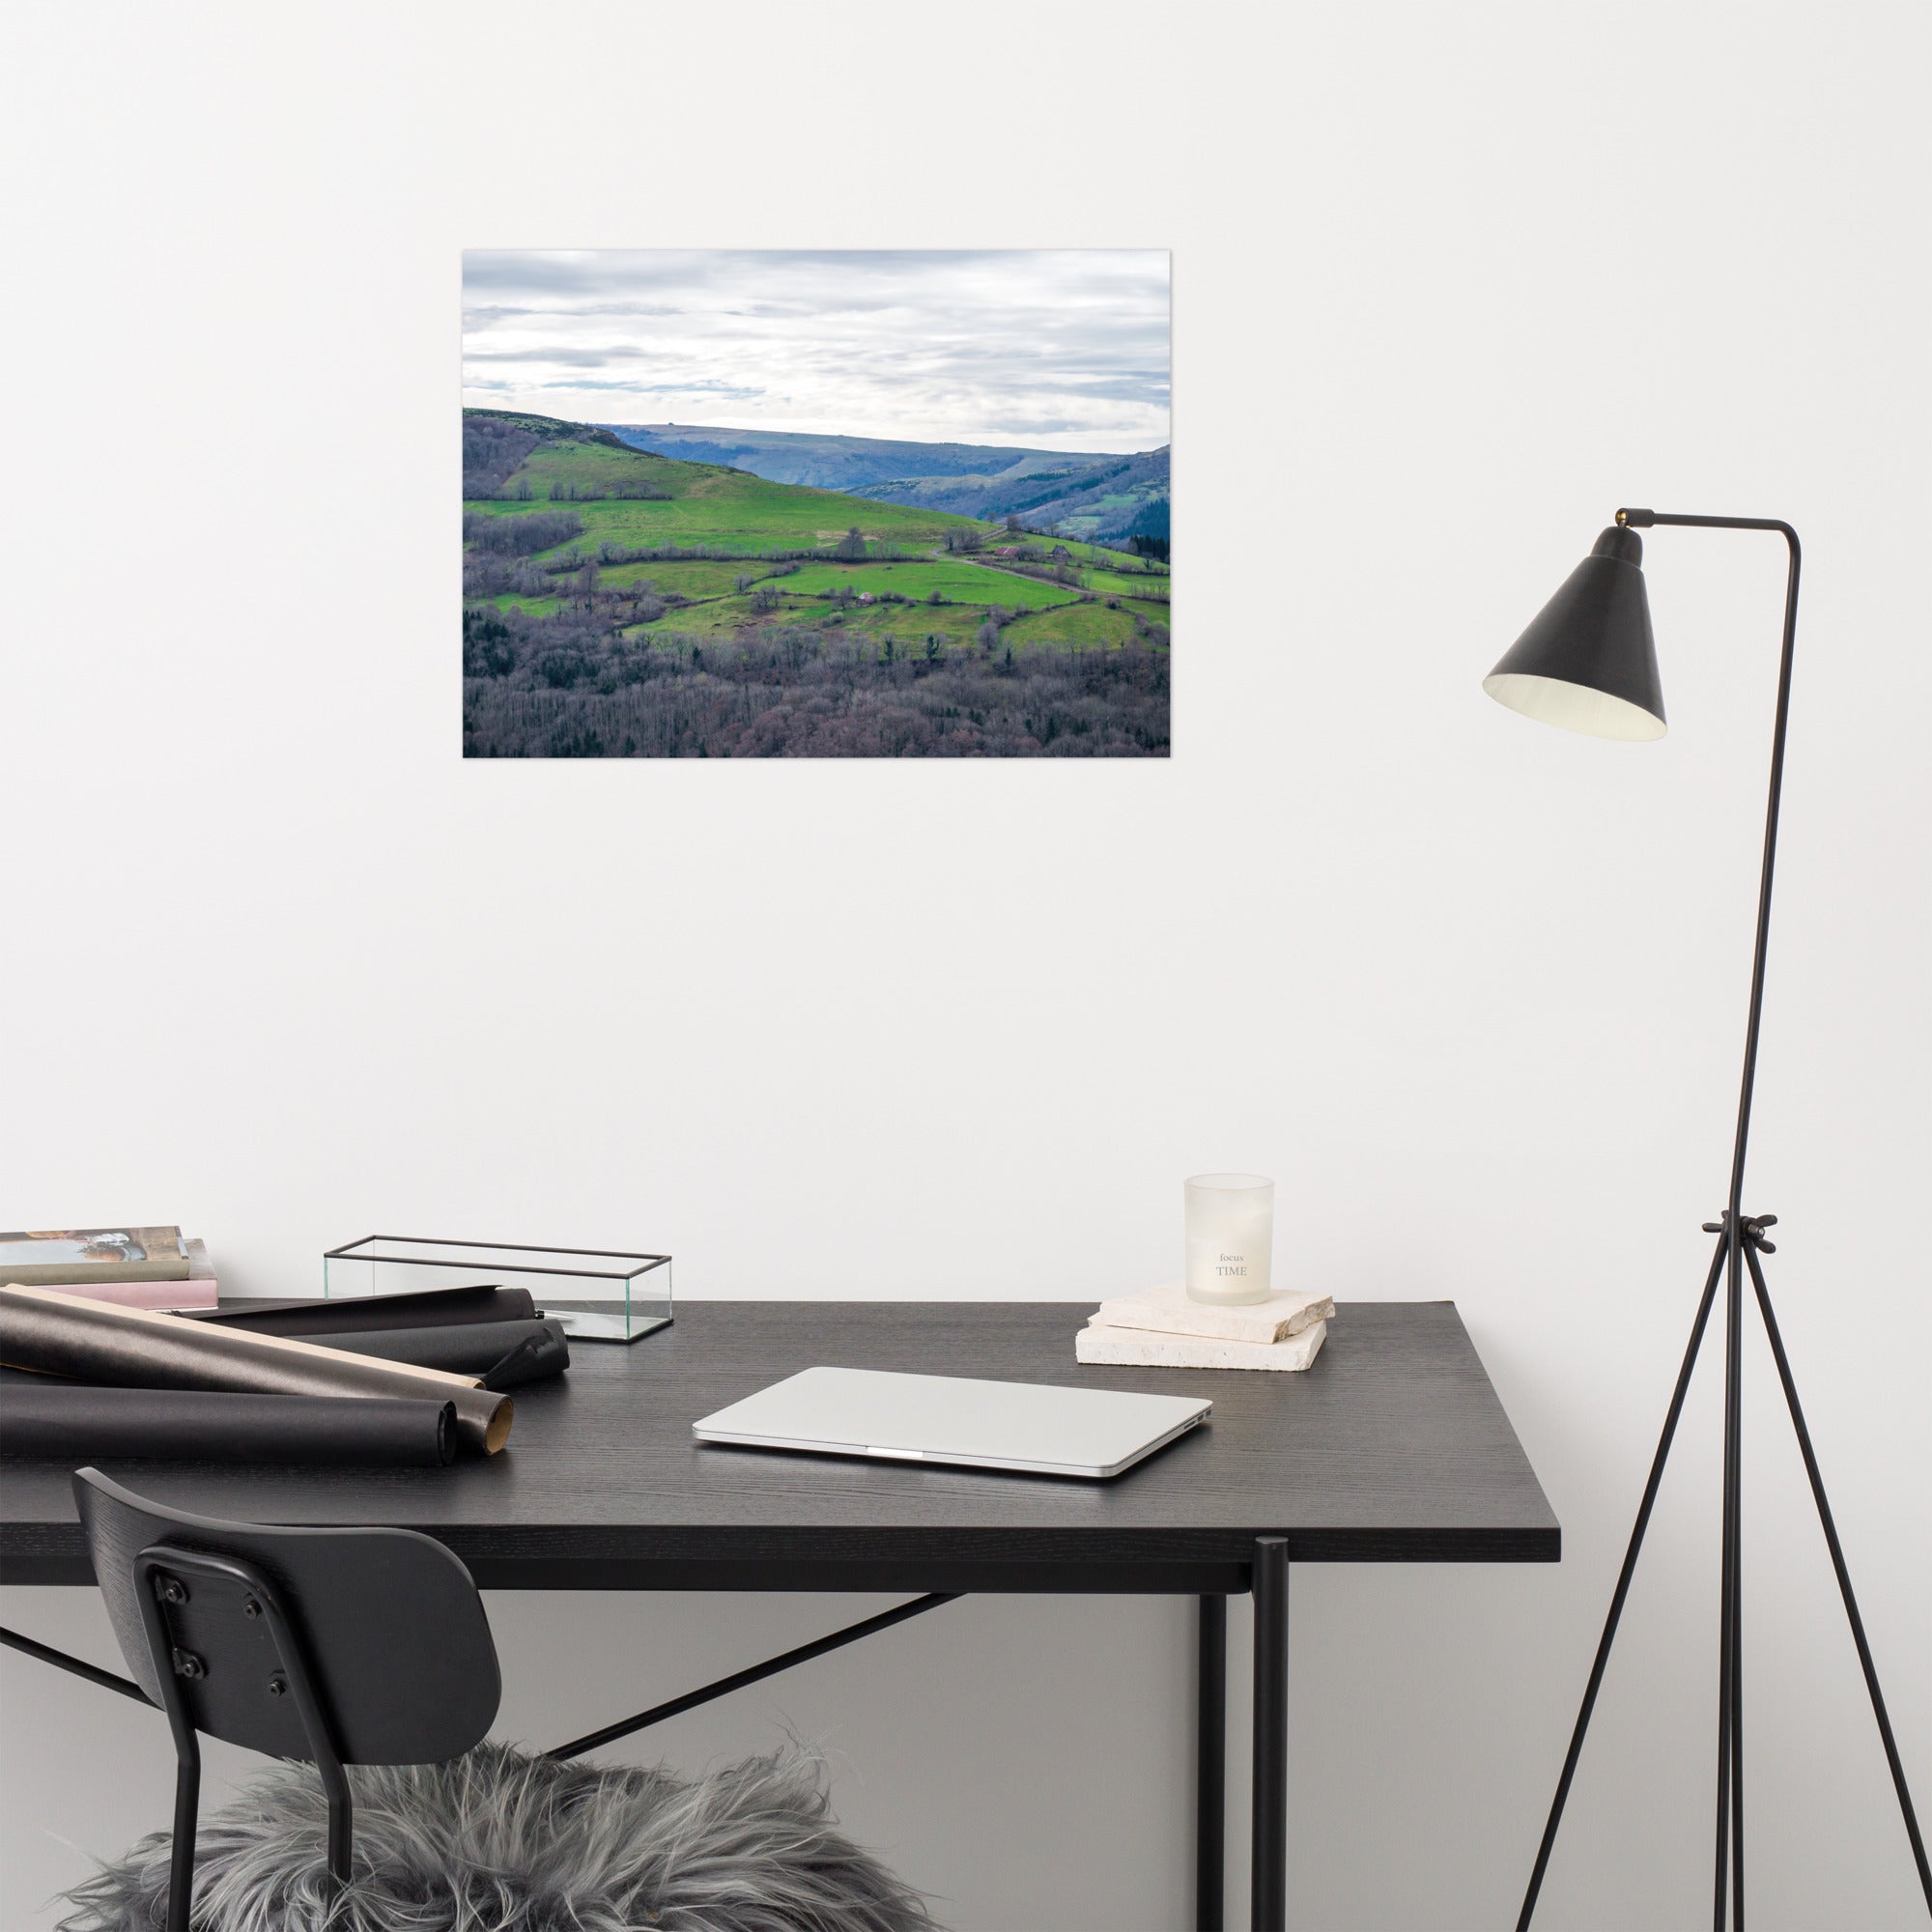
(53, 1255)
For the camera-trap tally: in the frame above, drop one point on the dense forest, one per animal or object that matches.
(793, 692)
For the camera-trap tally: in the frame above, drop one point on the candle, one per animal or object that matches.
(1230, 1236)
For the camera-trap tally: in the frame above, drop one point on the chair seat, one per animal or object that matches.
(498, 1841)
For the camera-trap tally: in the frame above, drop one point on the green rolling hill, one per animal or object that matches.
(628, 497)
(683, 534)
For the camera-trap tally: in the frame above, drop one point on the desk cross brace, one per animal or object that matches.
(61, 1661)
(738, 1679)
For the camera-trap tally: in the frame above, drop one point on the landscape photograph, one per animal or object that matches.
(774, 503)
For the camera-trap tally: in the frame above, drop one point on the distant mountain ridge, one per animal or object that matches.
(1103, 495)
(843, 462)
(1123, 497)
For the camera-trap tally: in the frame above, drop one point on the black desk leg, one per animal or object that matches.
(1269, 1894)
(1211, 1766)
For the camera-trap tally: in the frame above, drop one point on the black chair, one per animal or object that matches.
(330, 1646)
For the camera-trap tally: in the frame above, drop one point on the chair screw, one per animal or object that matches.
(187, 1664)
(278, 1685)
(171, 1590)
(250, 1607)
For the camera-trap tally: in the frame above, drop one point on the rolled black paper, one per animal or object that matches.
(466, 1348)
(72, 1424)
(138, 1348)
(363, 1314)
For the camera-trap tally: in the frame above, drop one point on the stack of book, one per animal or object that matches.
(132, 1268)
(1162, 1328)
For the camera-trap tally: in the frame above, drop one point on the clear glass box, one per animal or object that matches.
(599, 1296)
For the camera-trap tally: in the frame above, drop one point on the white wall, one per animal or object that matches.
(1450, 285)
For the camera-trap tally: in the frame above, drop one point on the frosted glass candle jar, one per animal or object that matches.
(1230, 1236)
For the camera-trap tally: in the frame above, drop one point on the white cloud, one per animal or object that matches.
(1063, 349)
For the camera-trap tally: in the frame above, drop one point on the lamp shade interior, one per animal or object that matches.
(1588, 662)
(1572, 707)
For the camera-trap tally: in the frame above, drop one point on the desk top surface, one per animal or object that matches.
(1392, 1448)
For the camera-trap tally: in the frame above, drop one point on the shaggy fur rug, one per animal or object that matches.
(496, 1842)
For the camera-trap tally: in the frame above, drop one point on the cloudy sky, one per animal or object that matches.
(1058, 349)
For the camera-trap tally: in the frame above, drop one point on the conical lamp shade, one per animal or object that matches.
(1588, 662)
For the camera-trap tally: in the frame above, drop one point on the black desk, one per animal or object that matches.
(1392, 1448)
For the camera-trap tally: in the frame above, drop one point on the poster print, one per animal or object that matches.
(854, 505)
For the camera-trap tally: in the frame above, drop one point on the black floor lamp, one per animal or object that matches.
(1587, 662)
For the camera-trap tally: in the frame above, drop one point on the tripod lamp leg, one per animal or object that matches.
(1622, 1590)
(1844, 1576)
(1727, 1883)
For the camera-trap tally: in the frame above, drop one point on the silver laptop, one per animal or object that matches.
(1044, 1432)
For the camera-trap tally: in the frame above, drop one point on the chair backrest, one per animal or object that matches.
(391, 1632)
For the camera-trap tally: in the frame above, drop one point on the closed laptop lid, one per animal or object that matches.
(953, 1420)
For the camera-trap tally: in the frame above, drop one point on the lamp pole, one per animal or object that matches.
(1643, 520)
(1740, 1240)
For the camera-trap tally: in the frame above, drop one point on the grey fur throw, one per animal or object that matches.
(496, 1842)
